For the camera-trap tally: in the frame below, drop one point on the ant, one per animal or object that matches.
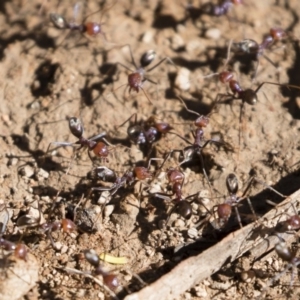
(109, 279)
(19, 250)
(99, 148)
(176, 180)
(220, 9)
(127, 179)
(215, 10)
(145, 133)
(27, 221)
(138, 76)
(249, 46)
(92, 29)
(195, 148)
(224, 210)
(287, 255)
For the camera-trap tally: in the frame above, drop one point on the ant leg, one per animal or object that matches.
(252, 209)
(238, 216)
(147, 95)
(129, 119)
(270, 188)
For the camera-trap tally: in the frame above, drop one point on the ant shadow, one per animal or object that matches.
(108, 70)
(45, 75)
(294, 79)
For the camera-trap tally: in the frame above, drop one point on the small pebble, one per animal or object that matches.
(27, 171)
(108, 210)
(213, 34)
(182, 80)
(42, 174)
(192, 233)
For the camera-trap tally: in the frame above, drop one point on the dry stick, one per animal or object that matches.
(194, 269)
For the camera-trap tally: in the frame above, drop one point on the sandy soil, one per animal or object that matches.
(49, 75)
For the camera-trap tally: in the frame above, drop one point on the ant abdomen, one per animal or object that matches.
(147, 58)
(232, 183)
(136, 134)
(58, 21)
(76, 127)
(184, 209)
(249, 96)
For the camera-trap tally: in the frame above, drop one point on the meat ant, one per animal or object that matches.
(220, 9)
(287, 255)
(195, 148)
(145, 133)
(99, 148)
(215, 10)
(137, 77)
(224, 210)
(27, 221)
(19, 250)
(176, 180)
(127, 179)
(91, 29)
(109, 279)
(249, 46)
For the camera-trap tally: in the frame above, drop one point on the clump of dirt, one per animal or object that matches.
(50, 75)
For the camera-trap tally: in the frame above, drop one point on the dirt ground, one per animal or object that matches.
(49, 75)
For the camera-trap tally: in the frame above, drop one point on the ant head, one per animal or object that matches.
(250, 96)
(76, 127)
(92, 257)
(147, 58)
(232, 184)
(58, 21)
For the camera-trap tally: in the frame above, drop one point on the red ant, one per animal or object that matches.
(109, 279)
(99, 148)
(176, 179)
(249, 46)
(220, 9)
(215, 10)
(287, 255)
(195, 148)
(290, 224)
(128, 178)
(32, 222)
(146, 132)
(224, 210)
(137, 78)
(92, 29)
(19, 250)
